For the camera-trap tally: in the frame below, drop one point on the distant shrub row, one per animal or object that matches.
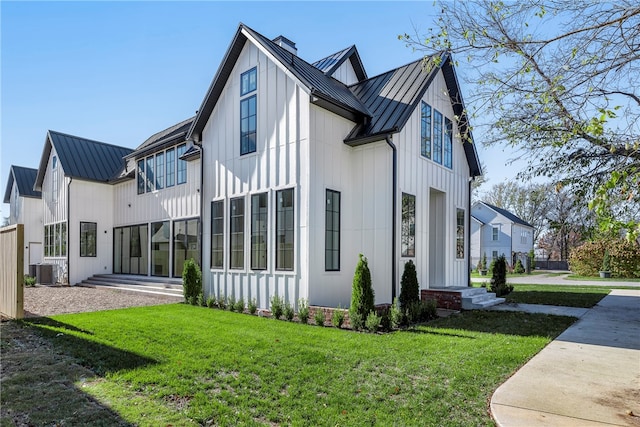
(624, 258)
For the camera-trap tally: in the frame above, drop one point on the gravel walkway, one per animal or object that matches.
(49, 300)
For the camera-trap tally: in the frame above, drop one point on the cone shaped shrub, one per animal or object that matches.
(499, 278)
(409, 287)
(519, 268)
(362, 296)
(191, 281)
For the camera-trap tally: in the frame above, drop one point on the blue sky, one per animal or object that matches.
(118, 72)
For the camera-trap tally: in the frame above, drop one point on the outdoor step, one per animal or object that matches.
(136, 282)
(168, 287)
(132, 289)
(140, 288)
(479, 298)
(139, 279)
(484, 304)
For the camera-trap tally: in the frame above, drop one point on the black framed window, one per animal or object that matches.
(88, 237)
(248, 124)
(332, 231)
(236, 233)
(425, 130)
(182, 164)
(448, 143)
(460, 233)
(217, 234)
(284, 229)
(149, 174)
(259, 218)
(170, 179)
(141, 179)
(408, 225)
(248, 81)
(159, 171)
(437, 136)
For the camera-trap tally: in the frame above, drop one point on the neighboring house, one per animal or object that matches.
(496, 231)
(308, 165)
(26, 208)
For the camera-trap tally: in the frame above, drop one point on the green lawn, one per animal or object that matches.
(183, 365)
(598, 279)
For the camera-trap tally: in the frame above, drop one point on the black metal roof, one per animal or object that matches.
(325, 90)
(83, 158)
(508, 215)
(332, 62)
(164, 138)
(24, 179)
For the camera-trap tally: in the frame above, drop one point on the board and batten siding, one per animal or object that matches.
(55, 210)
(420, 176)
(280, 162)
(363, 176)
(345, 73)
(28, 211)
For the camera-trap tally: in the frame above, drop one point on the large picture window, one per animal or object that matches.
(248, 123)
(55, 239)
(259, 217)
(88, 236)
(425, 130)
(437, 136)
(460, 233)
(408, 225)
(236, 233)
(217, 234)
(332, 231)
(284, 229)
(448, 143)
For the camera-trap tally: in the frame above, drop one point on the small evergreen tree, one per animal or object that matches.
(532, 262)
(482, 265)
(409, 287)
(362, 296)
(191, 281)
(499, 277)
(519, 268)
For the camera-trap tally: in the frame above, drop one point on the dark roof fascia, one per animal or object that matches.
(159, 145)
(44, 161)
(356, 63)
(480, 221)
(338, 108)
(192, 153)
(9, 187)
(507, 214)
(377, 137)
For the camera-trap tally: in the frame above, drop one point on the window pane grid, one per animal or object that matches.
(408, 225)
(460, 233)
(437, 136)
(217, 234)
(248, 124)
(171, 167)
(284, 230)
(88, 236)
(259, 212)
(332, 231)
(425, 131)
(237, 233)
(182, 164)
(448, 143)
(159, 171)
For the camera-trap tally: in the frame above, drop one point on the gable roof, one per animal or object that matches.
(24, 179)
(331, 63)
(511, 217)
(164, 138)
(325, 91)
(82, 158)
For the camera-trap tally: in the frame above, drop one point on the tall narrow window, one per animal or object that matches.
(494, 233)
(149, 174)
(217, 234)
(248, 120)
(171, 168)
(408, 225)
(141, 178)
(88, 235)
(284, 229)
(248, 81)
(459, 233)
(159, 171)
(56, 240)
(55, 184)
(182, 164)
(63, 239)
(332, 231)
(437, 136)
(448, 143)
(425, 130)
(259, 217)
(236, 232)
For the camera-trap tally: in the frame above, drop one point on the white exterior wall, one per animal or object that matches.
(280, 162)
(492, 219)
(363, 176)
(517, 245)
(345, 73)
(90, 202)
(28, 211)
(476, 236)
(54, 211)
(418, 176)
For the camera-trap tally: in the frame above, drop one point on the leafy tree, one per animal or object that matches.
(409, 287)
(362, 295)
(558, 80)
(191, 281)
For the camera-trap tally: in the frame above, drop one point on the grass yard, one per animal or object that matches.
(186, 365)
(599, 279)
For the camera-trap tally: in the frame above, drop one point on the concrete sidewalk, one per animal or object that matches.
(588, 376)
(554, 279)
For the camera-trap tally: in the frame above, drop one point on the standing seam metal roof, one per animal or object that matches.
(24, 179)
(332, 62)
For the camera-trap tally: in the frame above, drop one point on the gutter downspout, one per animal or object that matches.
(68, 230)
(468, 248)
(394, 216)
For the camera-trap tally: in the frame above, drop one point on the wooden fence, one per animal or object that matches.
(12, 271)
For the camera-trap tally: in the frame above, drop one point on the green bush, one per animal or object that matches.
(606, 261)
(385, 320)
(253, 306)
(277, 306)
(362, 295)
(288, 312)
(211, 302)
(532, 262)
(200, 300)
(499, 277)
(519, 268)
(239, 305)
(222, 302)
(191, 281)
(482, 264)
(303, 311)
(29, 281)
(396, 314)
(373, 322)
(318, 316)
(587, 259)
(231, 303)
(409, 287)
(337, 319)
(492, 266)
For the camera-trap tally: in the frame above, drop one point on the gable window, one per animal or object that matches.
(88, 236)
(182, 164)
(236, 231)
(170, 179)
(55, 185)
(159, 171)
(437, 136)
(459, 233)
(217, 234)
(259, 212)
(248, 119)
(248, 81)
(332, 231)
(284, 229)
(494, 233)
(448, 143)
(408, 225)
(524, 235)
(425, 130)
(149, 174)
(141, 179)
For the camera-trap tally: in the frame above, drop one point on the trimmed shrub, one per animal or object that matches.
(493, 265)
(625, 259)
(239, 305)
(385, 320)
(200, 300)
(318, 317)
(482, 264)
(29, 281)
(532, 262)
(606, 261)
(587, 259)
(288, 312)
(277, 306)
(303, 310)
(253, 306)
(211, 302)
(373, 322)
(519, 268)
(337, 319)
(362, 295)
(222, 302)
(396, 314)
(231, 303)
(191, 281)
(409, 287)
(499, 277)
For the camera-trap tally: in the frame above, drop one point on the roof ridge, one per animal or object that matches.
(164, 132)
(387, 72)
(89, 140)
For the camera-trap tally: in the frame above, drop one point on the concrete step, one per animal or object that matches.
(166, 288)
(128, 280)
(479, 298)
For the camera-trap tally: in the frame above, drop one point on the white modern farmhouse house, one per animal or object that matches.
(289, 170)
